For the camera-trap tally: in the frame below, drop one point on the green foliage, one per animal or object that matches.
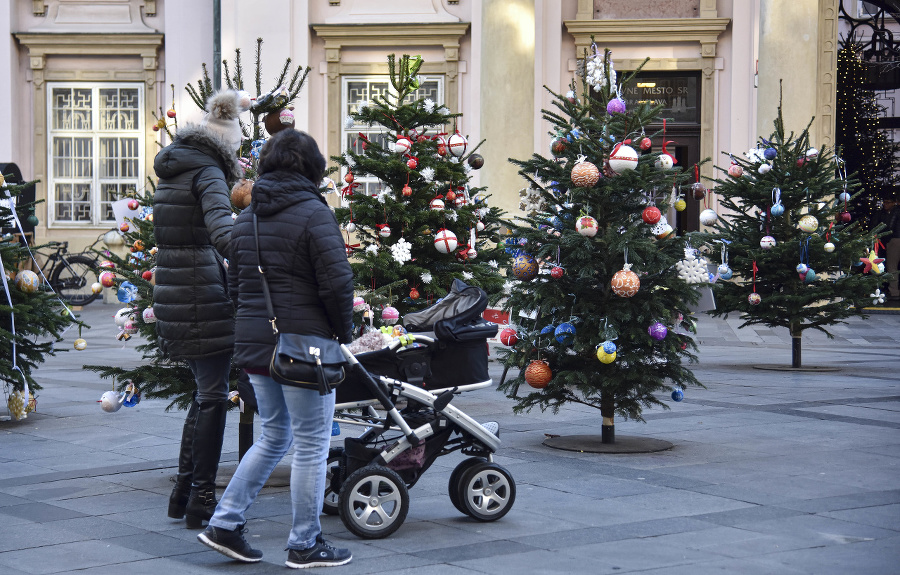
(644, 367)
(380, 278)
(807, 186)
(30, 328)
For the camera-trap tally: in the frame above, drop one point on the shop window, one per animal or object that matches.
(95, 150)
(358, 89)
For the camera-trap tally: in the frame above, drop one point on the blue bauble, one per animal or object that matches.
(609, 347)
(725, 272)
(802, 268)
(677, 395)
(844, 197)
(770, 153)
(127, 292)
(565, 333)
(133, 400)
(810, 276)
(777, 210)
(548, 329)
(555, 222)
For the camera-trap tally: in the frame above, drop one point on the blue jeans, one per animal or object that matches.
(289, 415)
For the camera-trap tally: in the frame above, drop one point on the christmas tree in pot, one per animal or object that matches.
(600, 307)
(419, 225)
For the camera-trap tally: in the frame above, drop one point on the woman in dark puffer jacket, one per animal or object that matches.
(192, 219)
(311, 286)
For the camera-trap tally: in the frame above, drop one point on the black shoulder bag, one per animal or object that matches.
(307, 361)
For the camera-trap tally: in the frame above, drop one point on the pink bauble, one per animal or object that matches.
(735, 171)
(359, 304)
(390, 315)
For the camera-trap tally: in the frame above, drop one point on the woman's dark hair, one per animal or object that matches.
(293, 151)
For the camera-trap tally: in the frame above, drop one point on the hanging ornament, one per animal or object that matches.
(677, 394)
(625, 283)
(810, 276)
(108, 279)
(351, 227)
(445, 241)
(390, 315)
(412, 163)
(347, 178)
(133, 204)
(479, 226)
(384, 230)
(763, 169)
(565, 333)
(767, 242)
(665, 160)
(735, 170)
(754, 298)
(777, 207)
(96, 287)
(538, 374)
(870, 263)
(476, 161)
(556, 272)
(27, 281)
(123, 228)
(148, 315)
(657, 331)
(651, 215)
(844, 197)
(692, 269)
(584, 174)
(724, 270)
(808, 223)
(587, 226)
(680, 204)
(615, 106)
(437, 203)
(548, 329)
(413, 293)
(359, 304)
(558, 146)
(708, 217)
(441, 145)
(604, 357)
(406, 191)
(509, 337)
(457, 144)
(80, 344)
(111, 401)
(524, 267)
(877, 297)
(623, 157)
(828, 247)
(770, 154)
(450, 195)
(844, 217)
(402, 146)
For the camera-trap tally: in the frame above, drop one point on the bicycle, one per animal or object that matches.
(72, 275)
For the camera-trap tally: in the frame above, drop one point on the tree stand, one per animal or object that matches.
(607, 442)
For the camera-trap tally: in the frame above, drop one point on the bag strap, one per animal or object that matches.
(262, 276)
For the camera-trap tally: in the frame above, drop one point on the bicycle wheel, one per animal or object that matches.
(72, 280)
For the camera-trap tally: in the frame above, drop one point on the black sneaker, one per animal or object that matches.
(230, 543)
(319, 555)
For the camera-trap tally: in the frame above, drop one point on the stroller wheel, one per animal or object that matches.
(453, 486)
(332, 466)
(374, 502)
(487, 491)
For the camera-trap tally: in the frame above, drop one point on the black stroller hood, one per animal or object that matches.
(457, 317)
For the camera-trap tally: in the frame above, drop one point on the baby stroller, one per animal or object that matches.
(402, 395)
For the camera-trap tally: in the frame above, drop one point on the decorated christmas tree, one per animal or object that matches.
(420, 225)
(793, 257)
(32, 317)
(600, 309)
(131, 275)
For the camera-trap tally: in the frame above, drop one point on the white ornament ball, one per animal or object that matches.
(122, 316)
(479, 227)
(665, 161)
(623, 159)
(96, 287)
(472, 254)
(829, 247)
(402, 146)
(436, 204)
(80, 344)
(148, 316)
(708, 217)
(445, 241)
(767, 242)
(456, 143)
(808, 223)
(351, 227)
(110, 401)
(587, 226)
(764, 168)
(384, 231)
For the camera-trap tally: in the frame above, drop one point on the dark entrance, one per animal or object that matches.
(679, 94)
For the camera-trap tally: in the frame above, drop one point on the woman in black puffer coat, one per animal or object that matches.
(311, 286)
(192, 219)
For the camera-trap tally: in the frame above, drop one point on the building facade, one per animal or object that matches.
(84, 78)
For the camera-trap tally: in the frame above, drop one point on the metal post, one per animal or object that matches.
(217, 45)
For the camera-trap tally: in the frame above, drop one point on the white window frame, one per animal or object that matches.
(96, 133)
(369, 183)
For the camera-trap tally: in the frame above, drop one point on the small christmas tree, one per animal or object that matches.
(589, 329)
(132, 274)
(421, 225)
(795, 255)
(32, 317)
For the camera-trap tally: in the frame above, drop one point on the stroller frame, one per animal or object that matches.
(369, 478)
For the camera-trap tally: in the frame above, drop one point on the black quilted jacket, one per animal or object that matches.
(306, 265)
(192, 224)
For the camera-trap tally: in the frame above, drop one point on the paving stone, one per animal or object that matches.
(40, 512)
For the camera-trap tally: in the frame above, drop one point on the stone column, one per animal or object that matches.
(506, 95)
(788, 52)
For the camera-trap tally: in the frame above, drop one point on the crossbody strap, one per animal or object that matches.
(262, 276)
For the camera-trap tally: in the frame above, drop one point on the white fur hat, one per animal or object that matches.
(223, 108)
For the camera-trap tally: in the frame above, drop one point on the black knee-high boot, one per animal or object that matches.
(207, 450)
(179, 498)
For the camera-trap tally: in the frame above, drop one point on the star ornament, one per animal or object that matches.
(871, 261)
(877, 297)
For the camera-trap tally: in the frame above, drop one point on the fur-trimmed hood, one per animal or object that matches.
(194, 146)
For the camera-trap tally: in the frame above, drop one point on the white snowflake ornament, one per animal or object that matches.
(692, 269)
(877, 297)
(426, 277)
(402, 251)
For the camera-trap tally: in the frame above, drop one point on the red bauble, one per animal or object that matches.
(651, 215)
(349, 178)
(509, 337)
(133, 205)
(170, 112)
(450, 195)
(124, 227)
(413, 293)
(556, 272)
(155, 128)
(407, 191)
(147, 275)
(442, 149)
(801, 162)
(645, 144)
(412, 163)
(844, 217)
(538, 374)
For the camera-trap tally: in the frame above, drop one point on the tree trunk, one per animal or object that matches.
(608, 411)
(796, 342)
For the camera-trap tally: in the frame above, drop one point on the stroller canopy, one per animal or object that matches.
(456, 313)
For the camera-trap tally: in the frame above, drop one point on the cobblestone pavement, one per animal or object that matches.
(777, 472)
